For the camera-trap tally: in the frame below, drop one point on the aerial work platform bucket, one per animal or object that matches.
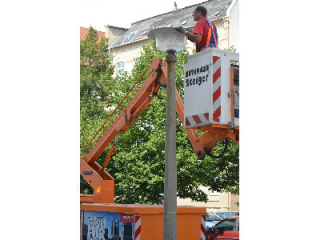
(211, 88)
(137, 221)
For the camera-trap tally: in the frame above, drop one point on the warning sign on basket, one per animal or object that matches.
(196, 76)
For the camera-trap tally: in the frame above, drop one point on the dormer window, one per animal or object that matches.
(129, 37)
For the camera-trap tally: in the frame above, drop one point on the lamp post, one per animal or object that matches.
(170, 41)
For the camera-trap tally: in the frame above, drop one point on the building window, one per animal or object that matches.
(213, 193)
(120, 69)
(138, 59)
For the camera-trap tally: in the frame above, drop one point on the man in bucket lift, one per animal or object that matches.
(205, 32)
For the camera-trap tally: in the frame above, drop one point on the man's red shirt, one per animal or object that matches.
(202, 28)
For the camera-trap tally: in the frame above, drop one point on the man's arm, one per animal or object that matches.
(194, 37)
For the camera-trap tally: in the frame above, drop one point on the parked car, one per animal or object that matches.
(212, 219)
(227, 229)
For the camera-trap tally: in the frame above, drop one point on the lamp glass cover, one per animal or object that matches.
(168, 39)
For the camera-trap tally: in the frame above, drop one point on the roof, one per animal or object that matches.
(112, 26)
(84, 31)
(217, 9)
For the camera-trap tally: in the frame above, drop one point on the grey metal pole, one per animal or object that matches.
(170, 179)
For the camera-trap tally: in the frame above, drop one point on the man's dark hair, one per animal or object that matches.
(203, 10)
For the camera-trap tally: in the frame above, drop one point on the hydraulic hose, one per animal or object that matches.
(221, 154)
(158, 76)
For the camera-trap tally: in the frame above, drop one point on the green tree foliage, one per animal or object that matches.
(96, 88)
(96, 83)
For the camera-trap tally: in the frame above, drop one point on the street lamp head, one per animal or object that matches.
(168, 39)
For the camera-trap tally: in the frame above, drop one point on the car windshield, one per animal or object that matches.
(213, 217)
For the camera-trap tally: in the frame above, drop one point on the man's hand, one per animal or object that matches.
(190, 35)
(181, 30)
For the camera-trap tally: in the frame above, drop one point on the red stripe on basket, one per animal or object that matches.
(217, 94)
(216, 75)
(217, 114)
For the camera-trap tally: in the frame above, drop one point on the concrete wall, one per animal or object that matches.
(234, 25)
(223, 33)
(113, 32)
(127, 54)
(234, 201)
(218, 202)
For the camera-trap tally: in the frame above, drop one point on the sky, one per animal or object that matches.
(98, 13)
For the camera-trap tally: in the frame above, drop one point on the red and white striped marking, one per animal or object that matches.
(203, 229)
(216, 80)
(137, 227)
(197, 119)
